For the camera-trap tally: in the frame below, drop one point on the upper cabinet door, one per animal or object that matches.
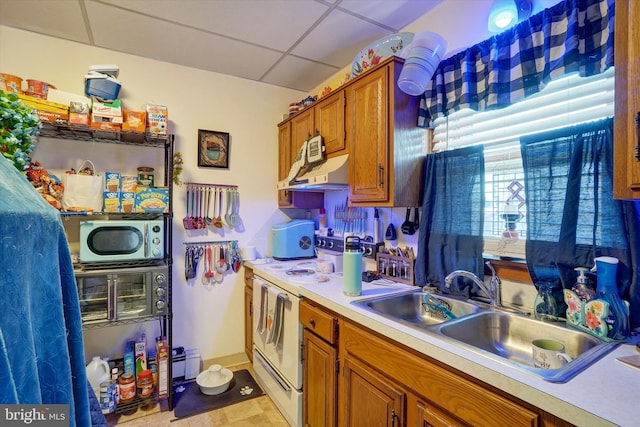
(302, 128)
(329, 121)
(367, 137)
(627, 100)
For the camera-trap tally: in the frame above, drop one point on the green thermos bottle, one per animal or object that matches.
(352, 267)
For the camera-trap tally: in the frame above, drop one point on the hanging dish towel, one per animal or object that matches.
(262, 309)
(272, 298)
(278, 327)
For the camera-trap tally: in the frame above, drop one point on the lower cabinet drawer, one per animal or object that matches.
(320, 322)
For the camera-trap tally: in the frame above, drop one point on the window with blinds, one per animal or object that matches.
(568, 101)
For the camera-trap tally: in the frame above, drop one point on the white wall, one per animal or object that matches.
(206, 317)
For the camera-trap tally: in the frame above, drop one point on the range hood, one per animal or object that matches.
(328, 175)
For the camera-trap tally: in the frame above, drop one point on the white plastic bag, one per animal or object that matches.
(83, 192)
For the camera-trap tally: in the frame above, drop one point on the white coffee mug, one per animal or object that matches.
(549, 354)
(248, 253)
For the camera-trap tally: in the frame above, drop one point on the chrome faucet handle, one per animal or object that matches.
(495, 285)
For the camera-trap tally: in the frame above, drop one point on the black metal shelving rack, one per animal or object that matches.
(80, 133)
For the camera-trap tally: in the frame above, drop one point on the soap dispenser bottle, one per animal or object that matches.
(352, 267)
(581, 287)
(607, 289)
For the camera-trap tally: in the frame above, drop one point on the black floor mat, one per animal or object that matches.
(189, 400)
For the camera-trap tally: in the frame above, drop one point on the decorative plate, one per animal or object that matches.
(379, 50)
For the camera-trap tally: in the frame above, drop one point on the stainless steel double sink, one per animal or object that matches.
(499, 334)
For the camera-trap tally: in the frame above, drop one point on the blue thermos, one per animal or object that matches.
(352, 267)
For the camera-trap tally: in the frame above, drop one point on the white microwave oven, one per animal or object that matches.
(121, 240)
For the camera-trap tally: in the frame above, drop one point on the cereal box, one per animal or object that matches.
(152, 199)
(157, 119)
(111, 201)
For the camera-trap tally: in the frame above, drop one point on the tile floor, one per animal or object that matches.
(254, 412)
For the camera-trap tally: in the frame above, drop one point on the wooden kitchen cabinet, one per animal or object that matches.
(287, 198)
(386, 148)
(429, 415)
(627, 100)
(436, 395)
(329, 122)
(369, 397)
(320, 370)
(248, 312)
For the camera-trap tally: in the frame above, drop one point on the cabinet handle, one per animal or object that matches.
(380, 174)
(637, 150)
(393, 417)
(312, 322)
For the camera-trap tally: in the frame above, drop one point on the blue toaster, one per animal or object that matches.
(293, 240)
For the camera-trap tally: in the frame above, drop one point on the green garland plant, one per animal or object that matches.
(19, 129)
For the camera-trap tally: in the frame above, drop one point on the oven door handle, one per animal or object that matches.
(111, 299)
(273, 373)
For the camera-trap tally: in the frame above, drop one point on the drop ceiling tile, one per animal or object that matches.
(57, 18)
(299, 73)
(149, 37)
(396, 14)
(277, 24)
(338, 38)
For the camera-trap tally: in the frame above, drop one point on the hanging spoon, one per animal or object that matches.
(209, 273)
(227, 215)
(217, 221)
(208, 219)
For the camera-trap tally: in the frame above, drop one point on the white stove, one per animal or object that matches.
(278, 365)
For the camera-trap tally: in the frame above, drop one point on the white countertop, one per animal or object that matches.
(606, 393)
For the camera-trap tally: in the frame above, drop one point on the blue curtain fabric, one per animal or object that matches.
(572, 216)
(41, 345)
(452, 217)
(572, 36)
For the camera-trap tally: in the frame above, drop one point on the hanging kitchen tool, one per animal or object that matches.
(217, 221)
(391, 233)
(408, 227)
(209, 272)
(185, 220)
(227, 215)
(235, 257)
(416, 218)
(208, 219)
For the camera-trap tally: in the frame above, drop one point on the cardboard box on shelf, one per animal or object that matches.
(134, 121)
(107, 109)
(112, 201)
(157, 119)
(48, 111)
(76, 103)
(152, 199)
(81, 119)
(112, 181)
(127, 201)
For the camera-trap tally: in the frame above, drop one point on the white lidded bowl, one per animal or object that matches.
(214, 380)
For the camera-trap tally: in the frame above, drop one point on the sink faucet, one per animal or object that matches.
(494, 291)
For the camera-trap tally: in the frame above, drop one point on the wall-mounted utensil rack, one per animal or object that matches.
(199, 201)
(218, 257)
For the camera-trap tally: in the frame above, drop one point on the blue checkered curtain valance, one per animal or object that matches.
(572, 36)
